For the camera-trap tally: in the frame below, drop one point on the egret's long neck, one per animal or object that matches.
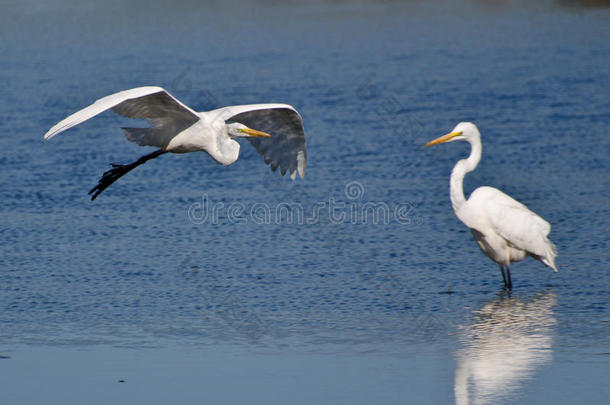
(221, 146)
(227, 150)
(456, 187)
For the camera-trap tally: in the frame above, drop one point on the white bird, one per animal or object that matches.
(505, 230)
(176, 128)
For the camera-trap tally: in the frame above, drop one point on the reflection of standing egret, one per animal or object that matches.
(507, 342)
(505, 230)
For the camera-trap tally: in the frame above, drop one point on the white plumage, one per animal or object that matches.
(174, 127)
(505, 229)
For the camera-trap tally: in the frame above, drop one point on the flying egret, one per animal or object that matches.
(505, 230)
(176, 128)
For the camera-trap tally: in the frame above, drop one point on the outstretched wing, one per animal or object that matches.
(516, 223)
(166, 115)
(286, 148)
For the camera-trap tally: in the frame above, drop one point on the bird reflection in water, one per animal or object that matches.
(508, 340)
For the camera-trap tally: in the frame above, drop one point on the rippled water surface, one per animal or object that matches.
(187, 282)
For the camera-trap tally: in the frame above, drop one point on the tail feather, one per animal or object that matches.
(550, 254)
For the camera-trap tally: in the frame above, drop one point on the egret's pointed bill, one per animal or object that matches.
(444, 138)
(254, 133)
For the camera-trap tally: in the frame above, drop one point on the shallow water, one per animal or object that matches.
(356, 284)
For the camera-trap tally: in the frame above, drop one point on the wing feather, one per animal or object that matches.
(166, 114)
(286, 148)
(513, 221)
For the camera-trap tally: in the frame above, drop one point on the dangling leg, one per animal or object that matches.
(503, 275)
(117, 171)
(510, 283)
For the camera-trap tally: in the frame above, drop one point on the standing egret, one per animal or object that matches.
(505, 230)
(176, 128)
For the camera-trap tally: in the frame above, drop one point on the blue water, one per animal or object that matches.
(176, 282)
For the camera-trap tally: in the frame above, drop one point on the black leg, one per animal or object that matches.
(503, 275)
(510, 283)
(117, 171)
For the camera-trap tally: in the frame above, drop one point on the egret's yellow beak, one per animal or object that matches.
(254, 132)
(443, 138)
